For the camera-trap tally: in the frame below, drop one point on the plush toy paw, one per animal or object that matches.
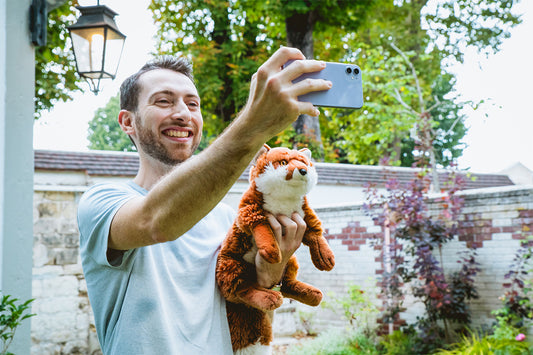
(266, 244)
(261, 298)
(302, 292)
(271, 256)
(323, 257)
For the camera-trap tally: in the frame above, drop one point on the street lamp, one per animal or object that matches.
(97, 44)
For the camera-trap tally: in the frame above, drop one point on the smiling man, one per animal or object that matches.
(149, 246)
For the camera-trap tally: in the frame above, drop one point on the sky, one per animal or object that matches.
(500, 131)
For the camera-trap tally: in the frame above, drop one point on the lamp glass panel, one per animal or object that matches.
(114, 45)
(89, 49)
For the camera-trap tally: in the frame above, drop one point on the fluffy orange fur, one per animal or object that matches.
(249, 306)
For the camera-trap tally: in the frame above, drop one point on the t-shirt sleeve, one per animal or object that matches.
(96, 211)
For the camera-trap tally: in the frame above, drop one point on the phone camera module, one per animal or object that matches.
(356, 71)
(348, 70)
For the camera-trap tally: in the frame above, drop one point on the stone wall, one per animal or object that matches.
(64, 322)
(492, 220)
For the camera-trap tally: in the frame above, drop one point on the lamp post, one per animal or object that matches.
(97, 44)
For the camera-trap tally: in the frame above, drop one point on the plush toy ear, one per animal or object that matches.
(306, 152)
(265, 148)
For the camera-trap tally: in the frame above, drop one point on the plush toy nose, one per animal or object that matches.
(302, 171)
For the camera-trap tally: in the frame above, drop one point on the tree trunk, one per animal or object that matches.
(299, 29)
(225, 108)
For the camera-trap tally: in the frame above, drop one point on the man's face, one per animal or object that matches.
(168, 122)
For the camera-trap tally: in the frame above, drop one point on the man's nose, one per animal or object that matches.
(181, 112)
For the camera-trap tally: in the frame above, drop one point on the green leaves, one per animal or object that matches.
(228, 40)
(105, 132)
(11, 316)
(55, 68)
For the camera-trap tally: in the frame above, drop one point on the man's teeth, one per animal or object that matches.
(179, 134)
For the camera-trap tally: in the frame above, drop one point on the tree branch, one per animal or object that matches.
(413, 71)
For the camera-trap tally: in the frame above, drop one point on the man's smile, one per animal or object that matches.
(177, 133)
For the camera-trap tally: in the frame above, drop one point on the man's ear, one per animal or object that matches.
(125, 120)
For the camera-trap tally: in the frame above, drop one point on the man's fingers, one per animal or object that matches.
(299, 67)
(275, 225)
(282, 56)
(289, 227)
(301, 226)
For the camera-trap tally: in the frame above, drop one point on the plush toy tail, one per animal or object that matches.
(249, 327)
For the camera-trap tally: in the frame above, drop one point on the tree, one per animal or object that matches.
(229, 39)
(55, 69)
(300, 18)
(105, 132)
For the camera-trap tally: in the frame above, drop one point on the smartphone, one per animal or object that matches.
(347, 89)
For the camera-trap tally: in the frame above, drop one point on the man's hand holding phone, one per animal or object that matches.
(346, 91)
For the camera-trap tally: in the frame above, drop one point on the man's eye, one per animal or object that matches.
(163, 102)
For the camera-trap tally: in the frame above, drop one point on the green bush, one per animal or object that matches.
(11, 315)
(488, 344)
(335, 342)
(398, 343)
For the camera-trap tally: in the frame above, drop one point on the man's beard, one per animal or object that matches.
(150, 145)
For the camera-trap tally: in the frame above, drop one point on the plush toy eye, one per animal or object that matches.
(283, 162)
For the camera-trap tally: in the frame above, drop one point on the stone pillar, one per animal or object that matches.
(17, 81)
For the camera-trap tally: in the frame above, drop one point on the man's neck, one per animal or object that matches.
(150, 172)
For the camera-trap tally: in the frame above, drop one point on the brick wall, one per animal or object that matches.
(493, 220)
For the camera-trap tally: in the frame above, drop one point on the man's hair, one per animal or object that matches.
(130, 88)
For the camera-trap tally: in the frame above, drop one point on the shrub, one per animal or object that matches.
(11, 315)
(475, 344)
(356, 306)
(336, 342)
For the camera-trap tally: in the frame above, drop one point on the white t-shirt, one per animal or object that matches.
(160, 299)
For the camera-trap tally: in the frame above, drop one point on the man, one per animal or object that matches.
(149, 247)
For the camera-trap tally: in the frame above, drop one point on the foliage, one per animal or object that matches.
(517, 306)
(11, 316)
(398, 343)
(356, 306)
(412, 257)
(105, 132)
(335, 342)
(478, 344)
(228, 40)
(306, 320)
(55, 69)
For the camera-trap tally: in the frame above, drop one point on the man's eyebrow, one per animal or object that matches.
(171, 93)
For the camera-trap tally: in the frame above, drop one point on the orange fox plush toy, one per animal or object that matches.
(279, 182)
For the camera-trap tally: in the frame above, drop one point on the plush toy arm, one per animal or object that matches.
(252, 218)
(321, 253)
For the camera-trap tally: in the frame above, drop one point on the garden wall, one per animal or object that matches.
(492, 220)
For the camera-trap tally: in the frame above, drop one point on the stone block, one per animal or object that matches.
(40, 255)
(64, 256)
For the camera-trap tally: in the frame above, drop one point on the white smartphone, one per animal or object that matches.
(347, 89)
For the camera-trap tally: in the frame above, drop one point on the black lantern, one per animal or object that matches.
(97, 44)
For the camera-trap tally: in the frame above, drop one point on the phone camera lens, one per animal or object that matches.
(348, 70)
(356, 71)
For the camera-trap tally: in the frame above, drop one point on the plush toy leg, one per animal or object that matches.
(321, 254)
(298, 290)
(250, 329)
(266, 243)
(237, 283)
